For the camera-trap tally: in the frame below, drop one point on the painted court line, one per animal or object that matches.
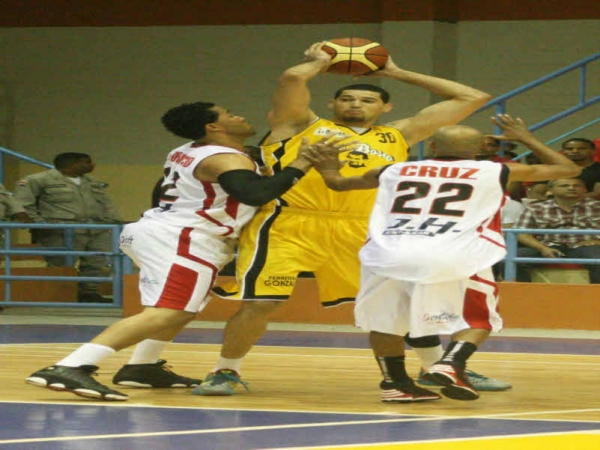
(213, 430)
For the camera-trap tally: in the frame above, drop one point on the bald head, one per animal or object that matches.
(456, 140)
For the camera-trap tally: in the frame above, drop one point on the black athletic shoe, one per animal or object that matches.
(394, 392)
(77, 380)
(156, 375)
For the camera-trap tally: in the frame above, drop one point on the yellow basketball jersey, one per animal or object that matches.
(380, 145)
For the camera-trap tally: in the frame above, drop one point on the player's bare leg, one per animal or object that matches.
(241, 333)
(154, 323)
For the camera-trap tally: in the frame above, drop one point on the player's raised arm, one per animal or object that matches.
(554, 164)
(291, 111)
(459, 102)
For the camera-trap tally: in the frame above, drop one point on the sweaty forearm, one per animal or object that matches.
(305, 71)
(252, 189)
(445, 89)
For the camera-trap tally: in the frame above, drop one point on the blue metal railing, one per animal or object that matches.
(5, 151)
(121, 264)
(511, 260)
(582, 101)
(500, 102)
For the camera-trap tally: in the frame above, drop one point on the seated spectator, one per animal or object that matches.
(581, 152)
(533, 191)
(568, 209)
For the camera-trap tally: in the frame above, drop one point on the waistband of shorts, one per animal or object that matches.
(346, 215)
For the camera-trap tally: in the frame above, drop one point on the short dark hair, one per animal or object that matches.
(64, 160)
(577, 139)
(189, 120)
(385, 95)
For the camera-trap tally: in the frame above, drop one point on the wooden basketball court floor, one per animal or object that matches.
(310, 388)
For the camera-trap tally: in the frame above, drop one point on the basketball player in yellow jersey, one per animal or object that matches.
(314, 229)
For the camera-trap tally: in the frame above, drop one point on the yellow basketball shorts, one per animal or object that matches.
(276, 245)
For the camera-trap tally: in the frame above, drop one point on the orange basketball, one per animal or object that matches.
(355, 56)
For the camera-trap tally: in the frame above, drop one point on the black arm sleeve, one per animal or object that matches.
(251, 189)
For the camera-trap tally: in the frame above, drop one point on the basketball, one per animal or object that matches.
(355, 56)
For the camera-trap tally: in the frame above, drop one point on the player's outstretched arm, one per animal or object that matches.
(291, 111)
(459, 102)
(324, 155)
(236, 175)
(555, 165)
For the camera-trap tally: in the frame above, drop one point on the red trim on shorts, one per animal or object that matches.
(183, 250)
(486, 281)
(179, 288)
(475, 310)
(182, 280)
(492, 241)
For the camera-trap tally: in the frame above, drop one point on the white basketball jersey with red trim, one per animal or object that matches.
(436, 220)
(187, 202)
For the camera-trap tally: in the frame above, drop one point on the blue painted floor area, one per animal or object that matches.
(34, 420)
(183, 428)
(19, 334)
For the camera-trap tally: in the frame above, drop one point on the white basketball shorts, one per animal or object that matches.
(398, 307)
(178, 266)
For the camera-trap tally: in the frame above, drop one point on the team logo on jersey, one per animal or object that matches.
(430, 227)
(441, 317)
(363, 148)
(324, 131)
(357, 159)
(368, 150)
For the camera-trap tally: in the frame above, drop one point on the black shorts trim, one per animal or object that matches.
(337, 302)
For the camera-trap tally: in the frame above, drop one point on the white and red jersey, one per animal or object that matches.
(190, 203)
(436, 220)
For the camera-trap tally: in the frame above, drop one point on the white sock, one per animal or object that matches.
(87, 355)
(429, 355)
(226, 363)
(147, 352)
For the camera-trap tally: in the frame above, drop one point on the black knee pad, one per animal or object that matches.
(423, 342)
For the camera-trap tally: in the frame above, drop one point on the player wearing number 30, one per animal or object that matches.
(434, 234)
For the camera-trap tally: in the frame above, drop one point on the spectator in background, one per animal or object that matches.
(489, 152)
(568, 209)
(67, 194)
(533, 191)
(581, 152)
